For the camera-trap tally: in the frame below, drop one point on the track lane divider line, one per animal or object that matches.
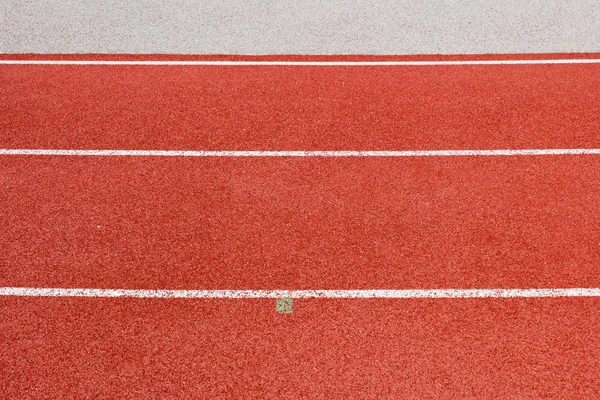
(303, 63)
(301, 294)
(300, 153)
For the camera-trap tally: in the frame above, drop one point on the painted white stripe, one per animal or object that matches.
(302, 63)
(301, 294)
(311, 153)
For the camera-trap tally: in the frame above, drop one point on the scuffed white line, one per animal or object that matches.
(302, 63)
(301, 294)
(311, 153)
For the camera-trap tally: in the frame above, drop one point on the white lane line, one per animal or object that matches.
(302, 63)
(311, 153)
(301, 294)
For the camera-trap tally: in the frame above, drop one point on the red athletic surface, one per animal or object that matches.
(309, 223)
(301, 223)
(335, 349)
(297, 108)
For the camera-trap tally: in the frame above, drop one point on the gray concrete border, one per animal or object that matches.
(299, 27)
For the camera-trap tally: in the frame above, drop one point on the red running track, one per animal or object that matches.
(439, 349)
(309, 223)
(299, 108)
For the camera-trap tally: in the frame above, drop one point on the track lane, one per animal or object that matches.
(300, 108)
(477, 348)
(176, 223)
